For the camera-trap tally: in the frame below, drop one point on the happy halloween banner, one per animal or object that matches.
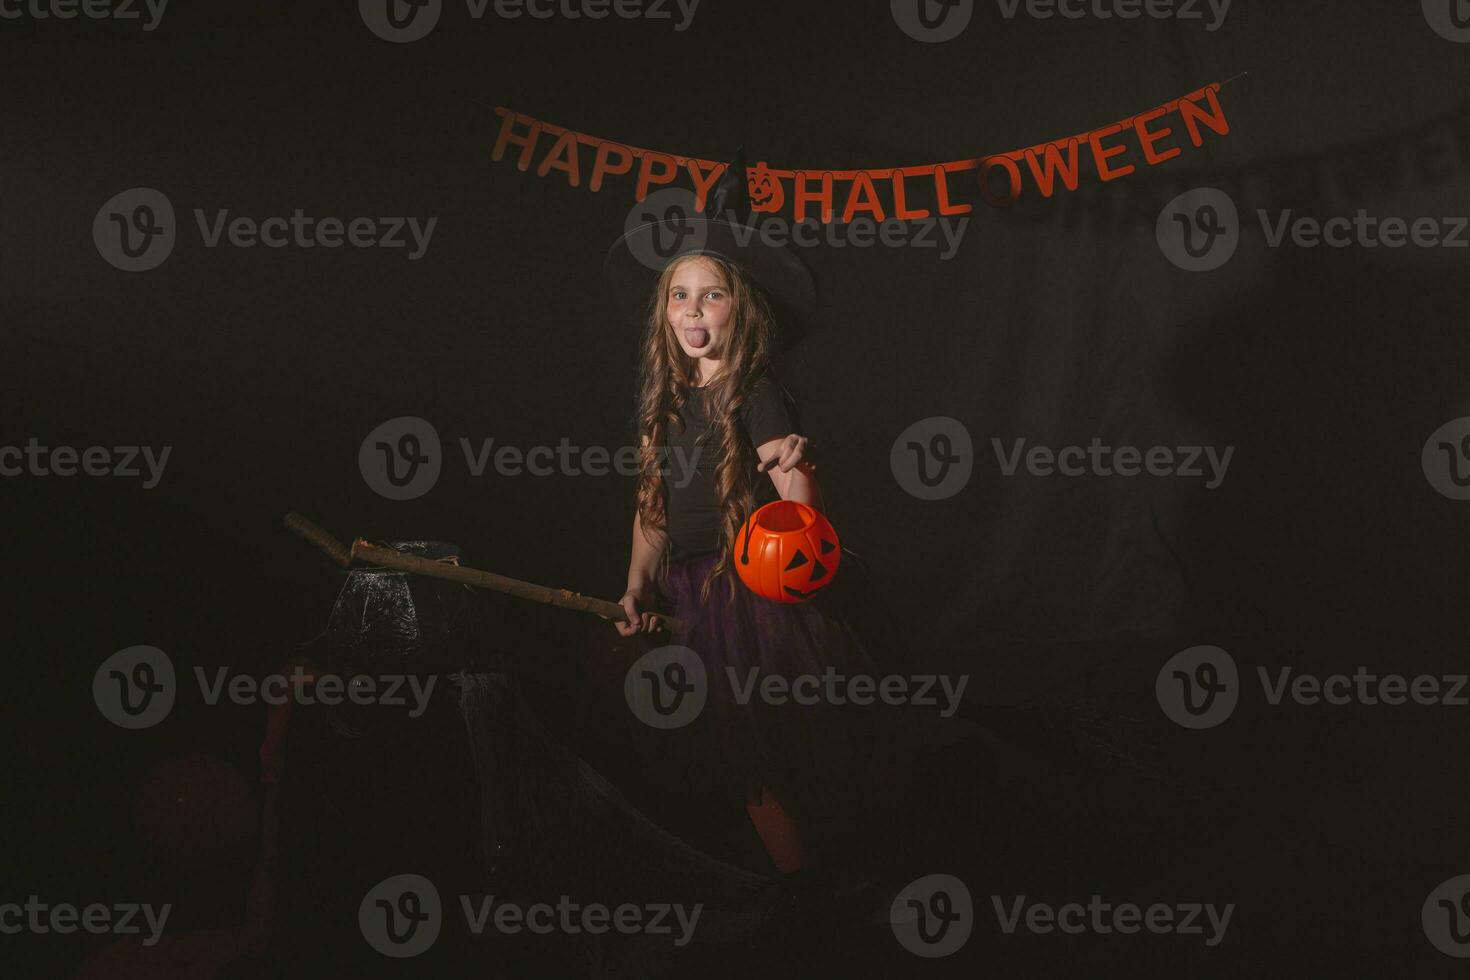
(1112, 151)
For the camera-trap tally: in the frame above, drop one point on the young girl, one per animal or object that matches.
(707, 395)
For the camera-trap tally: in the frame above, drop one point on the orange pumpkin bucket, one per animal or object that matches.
(787, 551)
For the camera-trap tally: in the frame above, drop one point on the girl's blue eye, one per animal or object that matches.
(715, 294)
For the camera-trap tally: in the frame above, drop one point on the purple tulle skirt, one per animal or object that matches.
(818, 758)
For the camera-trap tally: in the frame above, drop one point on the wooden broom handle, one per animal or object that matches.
(317, 535)
(391, 558)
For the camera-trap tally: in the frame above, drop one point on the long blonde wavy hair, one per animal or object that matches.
(665, 375)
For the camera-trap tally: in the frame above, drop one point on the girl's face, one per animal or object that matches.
(698, 308)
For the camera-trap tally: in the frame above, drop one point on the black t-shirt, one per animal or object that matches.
(689, 478)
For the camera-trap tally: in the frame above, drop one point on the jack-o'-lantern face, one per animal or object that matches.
(787, 551)
(766, 193)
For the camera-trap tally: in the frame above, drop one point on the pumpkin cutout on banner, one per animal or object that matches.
(786, 552)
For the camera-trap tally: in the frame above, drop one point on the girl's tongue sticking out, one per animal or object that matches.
(696, 336)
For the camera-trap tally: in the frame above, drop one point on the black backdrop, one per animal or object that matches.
(264, 370)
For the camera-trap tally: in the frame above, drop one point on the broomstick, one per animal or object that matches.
(389, 558)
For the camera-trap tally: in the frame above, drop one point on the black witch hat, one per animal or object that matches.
(723, 229)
